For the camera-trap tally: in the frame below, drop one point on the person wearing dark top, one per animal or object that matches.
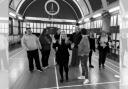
(62, 55)
(92, 48)
(56, 37)
(45, 41)
(75, 38)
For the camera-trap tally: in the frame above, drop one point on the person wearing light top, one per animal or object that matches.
(103, 47)
(3, 52)
(83, 52)
(32, 44)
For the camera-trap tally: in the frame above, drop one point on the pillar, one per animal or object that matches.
(106, 18)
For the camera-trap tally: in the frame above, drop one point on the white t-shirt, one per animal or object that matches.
(103, 41)
(30, 41)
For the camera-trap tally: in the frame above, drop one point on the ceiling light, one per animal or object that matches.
(97, 15)
(87, 19)
(12, 14)
(114, 9)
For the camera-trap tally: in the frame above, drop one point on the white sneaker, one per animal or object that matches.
(86, 81)
(81, 77)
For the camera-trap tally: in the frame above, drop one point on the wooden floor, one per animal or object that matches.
(21, 78)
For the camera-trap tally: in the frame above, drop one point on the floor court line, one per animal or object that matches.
(57, 84)
(94, 84)
(71, 85)
(95, 56)
(110, 68)
(113, 64)
(16, 54)
(110, 63)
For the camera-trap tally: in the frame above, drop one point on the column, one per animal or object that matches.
(106, 17)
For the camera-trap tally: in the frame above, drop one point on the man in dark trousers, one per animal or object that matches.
(92, 48)
(32, 44)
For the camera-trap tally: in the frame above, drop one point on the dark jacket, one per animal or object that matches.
(76, 38)
(45, 41)
(92, 43)
(62, 52)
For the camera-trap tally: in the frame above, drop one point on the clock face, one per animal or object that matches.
(52, 7)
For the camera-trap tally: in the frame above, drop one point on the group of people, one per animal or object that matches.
(81, 43)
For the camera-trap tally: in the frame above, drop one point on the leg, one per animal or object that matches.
(30, 60)
(61, 72)
(84, 60)
(100, 59)
(104, 59)
(90, 58)
(36, 58)
(43, 58)
(5, 60)
(47, 57)
(66, 68)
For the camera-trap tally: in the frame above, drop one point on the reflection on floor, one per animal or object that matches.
(3, 79)
(21, 78)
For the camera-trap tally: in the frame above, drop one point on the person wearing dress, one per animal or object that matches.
(62, 55)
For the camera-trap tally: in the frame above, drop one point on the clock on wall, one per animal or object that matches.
(52, 7)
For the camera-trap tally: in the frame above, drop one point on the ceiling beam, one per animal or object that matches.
(72, 9)
(104, 4)
(89, 6)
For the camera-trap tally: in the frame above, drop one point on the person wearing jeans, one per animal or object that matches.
(83, 52)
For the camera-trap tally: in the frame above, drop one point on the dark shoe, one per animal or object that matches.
(91, 66)
(66, 78)
(99, 67)
(31, 71)
(61, 80)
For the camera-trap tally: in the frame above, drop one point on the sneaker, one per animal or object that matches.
(86, 81)
(91, 66)
(40, 70)
(46, 67)
(81, 77)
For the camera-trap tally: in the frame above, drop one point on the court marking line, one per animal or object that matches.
(113, 64)
(110, 62)
(94, 84)
(57, 84)
(16, 54)
(110, 68)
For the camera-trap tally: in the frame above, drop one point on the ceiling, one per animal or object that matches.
(69, 9)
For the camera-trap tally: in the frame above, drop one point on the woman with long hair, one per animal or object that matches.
(62, 55)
